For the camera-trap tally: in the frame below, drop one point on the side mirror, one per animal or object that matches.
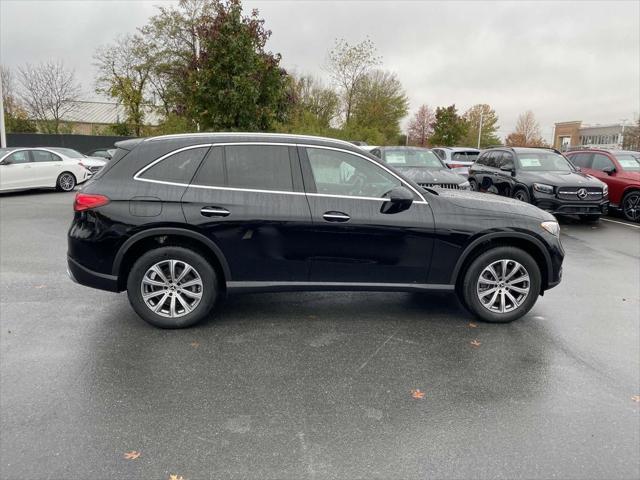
(506, 168)
(609, 170)
(399, 199)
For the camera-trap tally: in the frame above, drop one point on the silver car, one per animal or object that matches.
(458, 159)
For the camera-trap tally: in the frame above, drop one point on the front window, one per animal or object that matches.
(628, 162)
(412, 158)
(543, 162)
(344, 174)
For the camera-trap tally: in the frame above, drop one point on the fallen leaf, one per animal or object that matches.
(472, 325)
(475, 343)
(195, 344)
(132, 455)
(624, 299)
(176, 477)
(636, 398)
(417, 394)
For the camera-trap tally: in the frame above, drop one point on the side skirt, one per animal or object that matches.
(255, 287)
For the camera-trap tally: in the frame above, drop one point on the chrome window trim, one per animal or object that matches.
(136, 176)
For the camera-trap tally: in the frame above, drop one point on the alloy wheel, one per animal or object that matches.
(503, 286)
(631, 207)
(171, 288)
(67, 182)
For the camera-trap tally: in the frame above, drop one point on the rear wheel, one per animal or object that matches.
(66, 182)
(631, 206)
(473, 185)
(172, 287)
(501, 285)
(522, 195)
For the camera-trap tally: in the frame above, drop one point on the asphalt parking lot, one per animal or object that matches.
(316, 385)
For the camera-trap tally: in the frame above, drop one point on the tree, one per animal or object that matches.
(631, 138)
(527, 132)
(312, 106)
(235, 83)
(49, 91)
(380, 103)
(348, 65)
(488, 135)
(16, 118)
(420, 128)
(448, 128)
(124, 69)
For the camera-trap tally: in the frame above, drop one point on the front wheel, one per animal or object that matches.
(172, 287)
(522, 195)
(631, 206)
(66, 182)
(501, 285)
(473, 185)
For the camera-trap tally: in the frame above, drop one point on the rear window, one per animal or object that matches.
(176, 168)
(260, 167)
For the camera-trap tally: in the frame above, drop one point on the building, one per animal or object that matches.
(574, 134)
(95, 118)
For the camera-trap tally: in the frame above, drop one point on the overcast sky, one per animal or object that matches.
(562, 60)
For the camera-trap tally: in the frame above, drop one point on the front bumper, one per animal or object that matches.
(83, 276)
(557, 206)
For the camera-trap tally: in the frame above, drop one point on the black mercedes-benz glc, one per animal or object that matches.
(177, 221)
(540, 176)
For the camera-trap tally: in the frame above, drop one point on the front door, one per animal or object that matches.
(351, 239)
(249, 200)
(15, 171)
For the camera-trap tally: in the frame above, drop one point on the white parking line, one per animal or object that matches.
(621, 223)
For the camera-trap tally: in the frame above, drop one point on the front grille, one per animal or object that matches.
(451, 186)
(571, 193)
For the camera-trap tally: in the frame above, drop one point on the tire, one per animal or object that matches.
(473, 185)
(170, 302)
(66, 182)
(522, 195)
(472, 287)
(630, 206)
(589, 218)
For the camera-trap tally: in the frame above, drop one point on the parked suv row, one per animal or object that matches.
(542, 177)
(178, 221)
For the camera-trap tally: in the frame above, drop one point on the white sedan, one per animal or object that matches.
(25, 168)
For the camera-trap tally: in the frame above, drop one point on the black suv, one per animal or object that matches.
(179, 220)
(543, 177)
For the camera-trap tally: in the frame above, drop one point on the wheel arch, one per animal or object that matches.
(162, 237)
(528, 243)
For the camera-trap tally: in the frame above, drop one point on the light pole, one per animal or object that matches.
(480, 130)
(3, 135)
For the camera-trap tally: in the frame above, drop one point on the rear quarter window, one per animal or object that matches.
(178, 167)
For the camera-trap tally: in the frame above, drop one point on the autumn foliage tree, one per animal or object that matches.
(527, 132)
(448, 127)
(420, 128)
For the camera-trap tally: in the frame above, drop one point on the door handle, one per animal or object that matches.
(336, 217)
(214, 212)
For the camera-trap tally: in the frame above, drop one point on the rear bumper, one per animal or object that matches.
(89, 278)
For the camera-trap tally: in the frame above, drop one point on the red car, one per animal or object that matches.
(620, 169)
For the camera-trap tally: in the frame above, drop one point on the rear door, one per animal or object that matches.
(351, 240)
(249, 200)
(503, 179)
(45, 168)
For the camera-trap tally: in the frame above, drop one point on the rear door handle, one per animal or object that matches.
(336, 217)
(214, 212)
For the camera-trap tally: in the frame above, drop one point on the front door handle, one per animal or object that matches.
(214, 212)
(336, 217)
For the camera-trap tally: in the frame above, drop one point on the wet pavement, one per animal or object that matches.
(316, 385)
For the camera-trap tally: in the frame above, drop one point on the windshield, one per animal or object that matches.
(543, 162)
(412, 158)
(628, 162)
(69, 152)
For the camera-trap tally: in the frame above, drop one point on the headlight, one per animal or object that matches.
(605, 189)
(464, 186)
(541, 187)
(552, 227)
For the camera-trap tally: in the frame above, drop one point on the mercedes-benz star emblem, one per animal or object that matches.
(582, 193)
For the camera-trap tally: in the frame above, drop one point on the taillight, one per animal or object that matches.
(456, 165)
(86, 201)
